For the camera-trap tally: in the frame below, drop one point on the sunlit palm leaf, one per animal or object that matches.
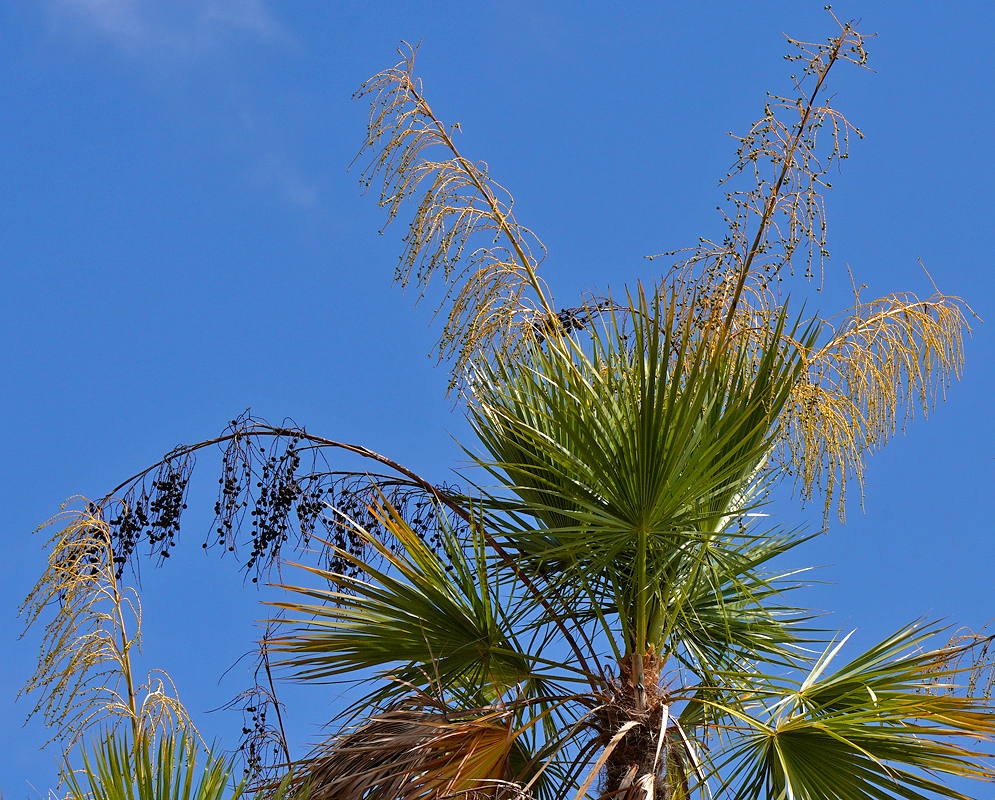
(115, 770)
(635, 459)
(879, 727)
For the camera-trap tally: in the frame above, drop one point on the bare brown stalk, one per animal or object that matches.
(595, 677)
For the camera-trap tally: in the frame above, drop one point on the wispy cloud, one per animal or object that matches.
(181, 28)
(181, 39)
(280, 171)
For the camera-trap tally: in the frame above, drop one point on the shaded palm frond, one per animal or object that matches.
(84, 675)
(886, 360)
(494, 294)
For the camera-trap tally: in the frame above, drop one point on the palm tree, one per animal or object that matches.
(630, 447)
(603, 613)
(611, 613)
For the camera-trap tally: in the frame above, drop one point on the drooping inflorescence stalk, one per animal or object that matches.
(84, 677)
(463, 228)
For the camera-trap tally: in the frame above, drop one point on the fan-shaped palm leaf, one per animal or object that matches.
(628, 464)
(437, 619)
(876, 727)
(115, 770)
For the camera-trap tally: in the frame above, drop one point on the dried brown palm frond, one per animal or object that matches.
(885, 360)
(84, 675)
(463, 227)
(417, 748)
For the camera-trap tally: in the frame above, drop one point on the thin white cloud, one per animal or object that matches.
(292, 185)
(250, 16)
(182, 28)
(178, 37)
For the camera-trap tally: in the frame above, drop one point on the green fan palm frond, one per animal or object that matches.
(115, 770)
(430, 618)
(625, 466)
(884, 725)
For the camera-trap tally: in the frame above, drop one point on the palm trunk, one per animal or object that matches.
(640, 767)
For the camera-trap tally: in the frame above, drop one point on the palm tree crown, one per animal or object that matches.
(599, 610)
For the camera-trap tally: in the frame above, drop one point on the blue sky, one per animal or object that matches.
(180, 240)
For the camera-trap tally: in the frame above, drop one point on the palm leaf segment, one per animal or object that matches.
(436, 619)
(117, 770)
(882, 726)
